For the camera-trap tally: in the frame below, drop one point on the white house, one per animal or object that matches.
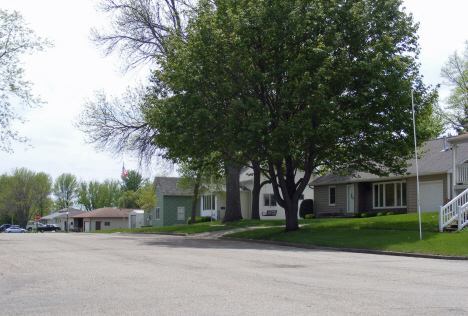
(214, 203)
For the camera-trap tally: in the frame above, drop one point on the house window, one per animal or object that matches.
(269, 200)
(181, 213)
(157, 215)
(208, 202)
(331, 195)
(389, 195)
(106, 223)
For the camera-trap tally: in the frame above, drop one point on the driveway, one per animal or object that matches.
(121, 274)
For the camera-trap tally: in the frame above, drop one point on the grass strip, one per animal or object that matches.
(452, 244)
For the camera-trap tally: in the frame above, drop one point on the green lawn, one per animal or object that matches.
(181, 229)
(391, 233)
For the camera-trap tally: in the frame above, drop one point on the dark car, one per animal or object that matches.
(48, 228)
(5, 226)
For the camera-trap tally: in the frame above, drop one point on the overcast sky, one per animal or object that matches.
(65, 75)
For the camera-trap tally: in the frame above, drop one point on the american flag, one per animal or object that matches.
(124, 172)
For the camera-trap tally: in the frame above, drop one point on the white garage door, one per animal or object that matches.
(432, 195)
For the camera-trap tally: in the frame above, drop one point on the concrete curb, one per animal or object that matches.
(354, 250)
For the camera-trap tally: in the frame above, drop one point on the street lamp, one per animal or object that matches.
(67, 222)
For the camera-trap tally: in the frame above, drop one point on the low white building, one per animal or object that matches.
(137, 219)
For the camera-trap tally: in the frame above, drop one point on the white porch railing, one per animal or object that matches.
(462, 216)
(462, 173)
(450, 211)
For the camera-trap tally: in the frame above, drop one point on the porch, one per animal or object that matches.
(457, 209)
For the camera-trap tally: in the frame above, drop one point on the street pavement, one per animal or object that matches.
(130, 274)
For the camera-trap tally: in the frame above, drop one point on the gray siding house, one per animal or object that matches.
(174, 206)
(339, 195)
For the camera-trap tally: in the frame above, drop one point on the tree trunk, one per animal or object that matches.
(233, 205)
(284, 179)
(195, 197)
(256, 193)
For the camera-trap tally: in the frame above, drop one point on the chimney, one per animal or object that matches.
(445, 144)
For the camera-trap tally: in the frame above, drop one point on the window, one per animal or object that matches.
(156, 216)
(389, 194)
(181, 213)
(106, 223)
(269, 200)
(331, 195)
(208, 202)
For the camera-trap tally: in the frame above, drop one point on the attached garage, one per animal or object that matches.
(431, 194)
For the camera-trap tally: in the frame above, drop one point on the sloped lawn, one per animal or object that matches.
(390, 233)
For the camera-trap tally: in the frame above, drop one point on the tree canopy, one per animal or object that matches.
(65, 190)
(294, 85)
(16, 39)
(455, 71)
(24, 193)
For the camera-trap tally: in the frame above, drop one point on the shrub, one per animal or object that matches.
(307, 207)
(355, 215)
(382, 213)
(368, 214)
(199, 219)
(310, 216)
(391, 213)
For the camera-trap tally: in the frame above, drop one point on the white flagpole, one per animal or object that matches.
(417, 171)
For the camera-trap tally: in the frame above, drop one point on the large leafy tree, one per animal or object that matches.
(65, 190)
(94, 194)
(133, 181)
(295, 85)
(140, 32)
(23, 193)
(16, 39)
(455, 72)
(44, 203)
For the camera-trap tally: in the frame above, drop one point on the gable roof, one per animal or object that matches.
(434, 160)
(167, 186)
(61, 212)
(105, 212)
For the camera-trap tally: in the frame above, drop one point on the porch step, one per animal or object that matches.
(452, 228)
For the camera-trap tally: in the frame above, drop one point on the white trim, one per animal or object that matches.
(394, 195)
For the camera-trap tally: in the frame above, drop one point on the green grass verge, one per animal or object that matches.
(453, 244)
(181, 229)
(429, 222)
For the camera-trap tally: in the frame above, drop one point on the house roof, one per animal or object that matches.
(246, 175)
(458, 139)
(71, 213)
(167, 186)
(105, 212)
(137, 212)
(61, 212)
(434, 160)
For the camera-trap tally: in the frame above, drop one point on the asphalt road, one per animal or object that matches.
(120, 274)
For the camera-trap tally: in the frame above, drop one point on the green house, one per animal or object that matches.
(174, 206)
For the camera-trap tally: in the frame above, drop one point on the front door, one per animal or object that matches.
(350, 198)
(86, 226)
(98, 225)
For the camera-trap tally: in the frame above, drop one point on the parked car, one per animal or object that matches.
(48, 228)
(15, 229)
(4, 226)
(33, 225)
